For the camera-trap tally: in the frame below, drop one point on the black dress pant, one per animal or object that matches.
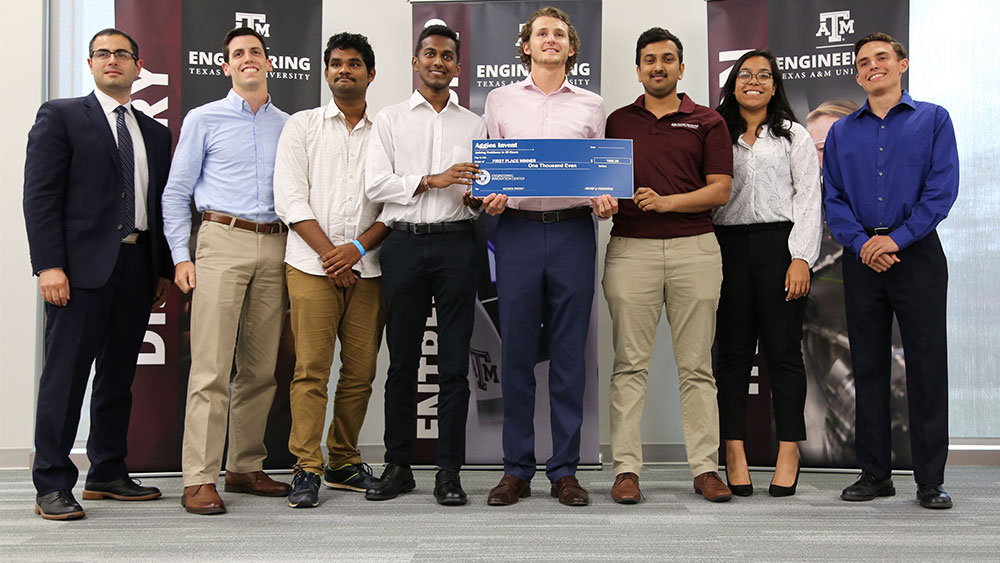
(415, 269)
(107, 324)
(752, 305)
(915, 290)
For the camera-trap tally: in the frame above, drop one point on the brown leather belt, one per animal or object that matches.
(553, 216)
(236, 222)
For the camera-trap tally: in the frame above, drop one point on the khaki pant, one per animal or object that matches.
(240, 288)
(321, 313)
(640, 276)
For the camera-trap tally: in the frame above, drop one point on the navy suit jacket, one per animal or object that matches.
(72, 192)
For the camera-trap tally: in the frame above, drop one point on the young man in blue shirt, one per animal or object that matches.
(891, 175)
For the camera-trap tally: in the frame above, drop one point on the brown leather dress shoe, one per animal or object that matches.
(710, 486)
(255, 483)
(203, 499)
(508, 490)
(569, 492)
(626, 489)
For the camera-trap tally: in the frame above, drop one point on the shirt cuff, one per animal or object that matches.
(902, 237)
(182, 254)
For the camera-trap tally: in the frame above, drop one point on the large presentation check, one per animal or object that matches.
(553, 167)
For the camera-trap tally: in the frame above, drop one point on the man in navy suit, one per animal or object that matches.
(93, 176)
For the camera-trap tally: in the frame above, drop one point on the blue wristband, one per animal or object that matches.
(361, 249)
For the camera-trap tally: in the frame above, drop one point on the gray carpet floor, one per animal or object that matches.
(673, 524)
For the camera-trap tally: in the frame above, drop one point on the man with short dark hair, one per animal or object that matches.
(332, 271)
(663, 252)
(93, 175)
(545, 252)
(418, 168)
(890, 171)
(225, 161)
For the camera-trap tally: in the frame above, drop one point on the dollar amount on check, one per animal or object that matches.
(553, 167)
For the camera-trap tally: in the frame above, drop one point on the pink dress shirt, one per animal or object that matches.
(522, 111)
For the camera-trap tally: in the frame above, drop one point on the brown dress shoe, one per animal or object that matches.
(569, 492)
(626, 489)
(710, 486)
(255, 483)
(508, 490)
(203, 499)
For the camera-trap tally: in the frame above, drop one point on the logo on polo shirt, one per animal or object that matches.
(688, 125)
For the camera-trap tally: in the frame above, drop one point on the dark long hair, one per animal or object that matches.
(778, 109)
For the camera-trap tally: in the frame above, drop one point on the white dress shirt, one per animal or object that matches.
(141, 166)
(319, 174)
(410, 140)
(777, 180)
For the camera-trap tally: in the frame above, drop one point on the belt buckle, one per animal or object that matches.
(881, 231)
(131, 238)
(420, 228)
(551, 216)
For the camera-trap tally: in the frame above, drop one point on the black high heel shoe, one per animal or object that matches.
(739, 490)
(779, 491)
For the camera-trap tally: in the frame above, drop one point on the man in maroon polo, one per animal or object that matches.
(663, 252)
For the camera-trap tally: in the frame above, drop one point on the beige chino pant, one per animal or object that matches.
(240, 289)
(640, 277)
(322, 313)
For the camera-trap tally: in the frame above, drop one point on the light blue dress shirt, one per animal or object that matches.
(225, 159)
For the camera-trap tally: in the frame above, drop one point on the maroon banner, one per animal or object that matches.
(176, 54)
(813, 43)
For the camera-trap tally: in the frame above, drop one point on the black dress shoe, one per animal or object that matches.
(739, 490)
(58, 505)
(448, 488)
(125, 488)
(395, 480)
(780, 490)
(867, 487)
(933, 496)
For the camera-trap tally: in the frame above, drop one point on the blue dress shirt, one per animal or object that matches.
(225, 158)
(900, 172)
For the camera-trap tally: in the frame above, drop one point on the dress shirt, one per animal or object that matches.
(225, 158)
(900, 172)
(319, 175)
(523, 111)
(410, 140)
(777, 180)
(141, 167)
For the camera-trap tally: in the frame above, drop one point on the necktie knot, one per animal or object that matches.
(121, 110)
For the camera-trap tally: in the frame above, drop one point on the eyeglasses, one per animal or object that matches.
(121, 54)
(762, 76)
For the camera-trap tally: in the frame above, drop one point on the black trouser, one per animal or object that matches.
(916, 290)
(752, 304)
(108, 324)
(416, 268)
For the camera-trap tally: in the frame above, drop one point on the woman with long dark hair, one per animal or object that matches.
(769, 233)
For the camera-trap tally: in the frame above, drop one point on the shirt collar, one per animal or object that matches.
(239, 104)
(417, 99)
(906, 100)
(333, 110)
(109, 104)
(687, 104)
(529, 84)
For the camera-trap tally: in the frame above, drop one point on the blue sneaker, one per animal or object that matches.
(355, 477)
(305, 490)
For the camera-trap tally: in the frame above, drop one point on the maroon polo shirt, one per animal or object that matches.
(671, 155)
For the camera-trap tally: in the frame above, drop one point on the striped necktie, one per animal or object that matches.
(126, 162)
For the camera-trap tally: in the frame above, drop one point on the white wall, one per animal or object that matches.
(21, 311)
